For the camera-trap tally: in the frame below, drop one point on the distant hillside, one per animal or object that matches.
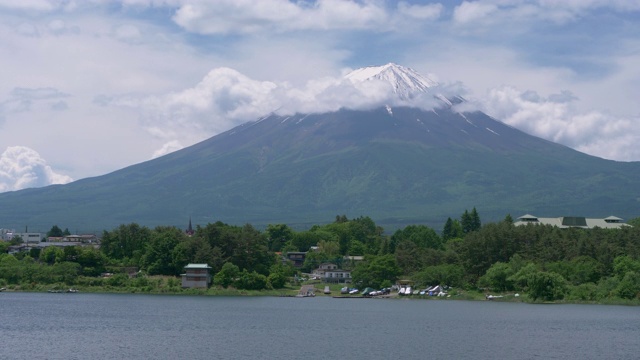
(397, 165)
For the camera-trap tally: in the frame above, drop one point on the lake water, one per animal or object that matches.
(116, 326)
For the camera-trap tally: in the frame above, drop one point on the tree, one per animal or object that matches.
(312, 260)
(92, 261)
(51, 255)
(470, 221)
(629, 286)
(251, 281)
(278, 235)
(422, 236)
(547, 286)
(341, 218)
(126, 241)
(375, 270)
(498, 277)
(158, 259)
(16, 240)
(227, 275)
(55, 232)
(475, 220)
(465, 221)
(445, 274)
(251, 251)
(447, 231)
(330, 248)
(624, 264)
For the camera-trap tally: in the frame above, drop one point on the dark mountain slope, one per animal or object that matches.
(400, 165)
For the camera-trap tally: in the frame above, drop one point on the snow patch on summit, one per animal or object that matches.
(406, 82)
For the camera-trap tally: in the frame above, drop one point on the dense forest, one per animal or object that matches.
(544, 262)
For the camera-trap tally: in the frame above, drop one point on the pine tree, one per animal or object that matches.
(466, 222)
(475, 220)
(447, 231)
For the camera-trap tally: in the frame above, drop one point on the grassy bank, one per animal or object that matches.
(164, 285)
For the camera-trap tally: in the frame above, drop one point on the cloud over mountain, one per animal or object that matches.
(555, 118)
(22, 167)
(225, 98)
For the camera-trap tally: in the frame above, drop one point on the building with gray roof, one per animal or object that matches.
(564, 222)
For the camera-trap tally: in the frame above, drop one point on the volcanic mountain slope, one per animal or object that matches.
(398, 165)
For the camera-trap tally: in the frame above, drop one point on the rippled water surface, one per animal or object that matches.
(115, 326)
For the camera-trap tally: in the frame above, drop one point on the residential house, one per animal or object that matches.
(297, 258)
(331, 273)
(196, 276)
(320, 271)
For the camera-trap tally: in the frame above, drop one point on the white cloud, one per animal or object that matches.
(22, 99)
(37, 5)
(128, 33)
(509, 11)
(422, 12)
(250, 17)
(555, 118)
(226, 98)
(149, 57)
(22, 167)
(167, 148)
(471, 11)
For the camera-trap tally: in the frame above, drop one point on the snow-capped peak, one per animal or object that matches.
(406, 82)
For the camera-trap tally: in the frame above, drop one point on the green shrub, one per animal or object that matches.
(629, 286)
(547, 286)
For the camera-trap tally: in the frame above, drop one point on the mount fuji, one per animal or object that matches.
(399, 163)
(406, 82)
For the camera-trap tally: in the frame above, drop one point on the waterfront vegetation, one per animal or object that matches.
(539, 263)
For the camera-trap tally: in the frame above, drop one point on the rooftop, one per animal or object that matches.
(563, 222)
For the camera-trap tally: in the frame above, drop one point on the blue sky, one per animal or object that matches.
(89, 87)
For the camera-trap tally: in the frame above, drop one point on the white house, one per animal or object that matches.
(331, 273)
(196, 276)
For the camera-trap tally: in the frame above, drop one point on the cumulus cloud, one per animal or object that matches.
(555, 118)
(167, 148)
(226, 98)
(245, 16)
(22, 167)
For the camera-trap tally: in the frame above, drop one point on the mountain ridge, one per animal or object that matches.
(407, 166)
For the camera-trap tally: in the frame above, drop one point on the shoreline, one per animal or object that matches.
(290, 292)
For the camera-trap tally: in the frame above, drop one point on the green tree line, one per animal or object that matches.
(545, 262)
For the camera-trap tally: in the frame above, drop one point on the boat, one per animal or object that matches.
(327, 290)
